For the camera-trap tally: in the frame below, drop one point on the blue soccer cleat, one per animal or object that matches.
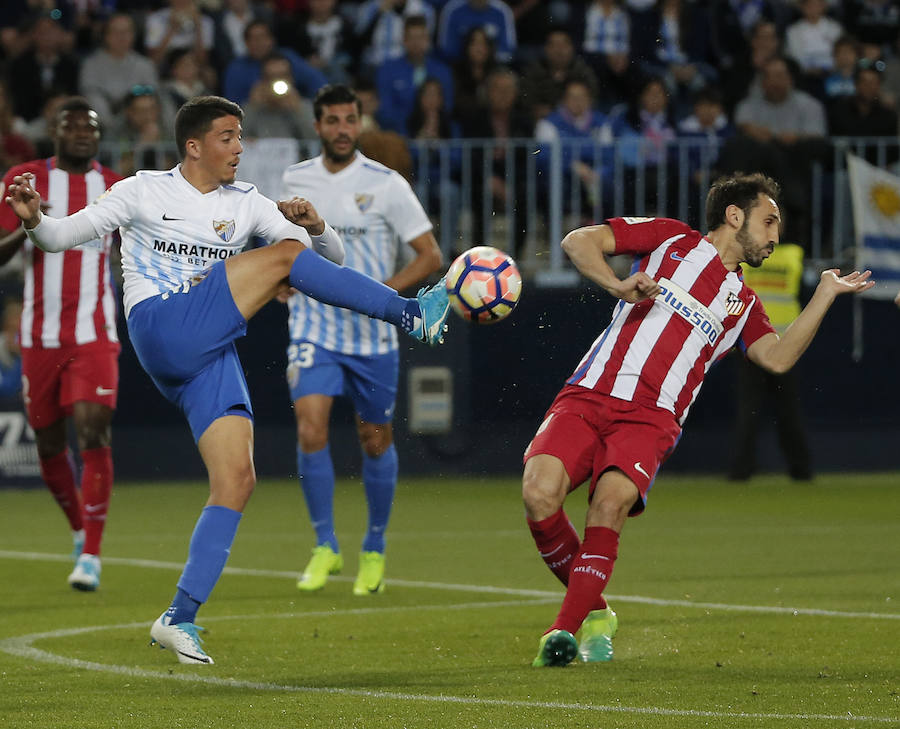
(434, 305)
(182, 639)
(86, 575)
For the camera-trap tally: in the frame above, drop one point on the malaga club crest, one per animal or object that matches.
(224, 229)
(733, 305)
(363, 201)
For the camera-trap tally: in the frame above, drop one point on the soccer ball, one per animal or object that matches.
(484, 285)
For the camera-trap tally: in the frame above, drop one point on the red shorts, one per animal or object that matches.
(54, 379)
(591, 432)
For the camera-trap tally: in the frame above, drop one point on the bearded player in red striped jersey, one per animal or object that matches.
(619, 416)
(70, 347)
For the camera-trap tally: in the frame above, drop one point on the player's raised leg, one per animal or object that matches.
(316, 471)
(227, 451)
(256, 276)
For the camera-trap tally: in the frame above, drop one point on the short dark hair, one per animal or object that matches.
(738, 189)
(334, 94)
(414, 21)
(195, 118)
(74, 103)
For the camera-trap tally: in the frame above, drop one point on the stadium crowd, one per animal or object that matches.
(769, 79)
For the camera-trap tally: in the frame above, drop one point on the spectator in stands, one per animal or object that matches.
(782, 113)
(708, 120)
(140, 132)
(39, 131)
(369, 103)
(873, 23)
(500, 117)
(14, 147)
(810, 42)
(181, 25)
(675, 50)
(430, 120)
(733, 23)
(743, 76)
(458, 17)
(10, 352)
(782, 131)
(545, 79)
(183, 81)
(379, 28)
(863, 114)
(607, 48)
(230, 24)
(839, 82)
(579, 126)
(532, 18)
(109, 73)
(276, 109)
(43, 68)
(398, 79)
(471, 71)
(325, 39)
(244, 71)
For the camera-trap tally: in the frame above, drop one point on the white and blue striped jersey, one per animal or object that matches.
(373, 208)
(172, 232)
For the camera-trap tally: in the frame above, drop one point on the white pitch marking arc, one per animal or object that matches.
(478, 589)
(22, 646)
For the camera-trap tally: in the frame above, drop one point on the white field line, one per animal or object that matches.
(22, 647)
(478, 589)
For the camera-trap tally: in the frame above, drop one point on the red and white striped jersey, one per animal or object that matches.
(657, 352)
(68, 297)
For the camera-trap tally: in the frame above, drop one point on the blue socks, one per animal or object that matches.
(316, 472)
(380, 480)
(209, 550)
(341, 286)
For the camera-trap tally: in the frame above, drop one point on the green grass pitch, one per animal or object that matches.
(766, 604)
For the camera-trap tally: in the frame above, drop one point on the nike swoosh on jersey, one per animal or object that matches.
(166, 217)
(673, 255)
(102, 391)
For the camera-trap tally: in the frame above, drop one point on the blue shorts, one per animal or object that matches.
(185, 342)
(370, 381)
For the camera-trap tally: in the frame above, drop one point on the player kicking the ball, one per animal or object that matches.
(188, 296)
(619, 415)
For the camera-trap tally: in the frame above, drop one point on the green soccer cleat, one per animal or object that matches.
(597, 632)
(557, 648)
(325, 561)
(370, 579)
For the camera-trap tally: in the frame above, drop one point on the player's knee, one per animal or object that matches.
(541, 496)
(93, 434)
(375, 439)
(311, 437)
(284, 252)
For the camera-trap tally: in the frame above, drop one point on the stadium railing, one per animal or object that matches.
(523, 195)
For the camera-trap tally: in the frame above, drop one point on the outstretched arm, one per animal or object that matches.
(49, 234)
(778, 355)
(588, 247)
(325, 240)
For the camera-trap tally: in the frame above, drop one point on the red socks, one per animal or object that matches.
(590, 572)
(58, 473)
(96, 486)
(557, 542)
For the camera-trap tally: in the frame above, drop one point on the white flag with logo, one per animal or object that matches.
(876, 219)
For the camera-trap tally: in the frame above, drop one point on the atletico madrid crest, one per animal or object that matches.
(733, 305)
(224, 229)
